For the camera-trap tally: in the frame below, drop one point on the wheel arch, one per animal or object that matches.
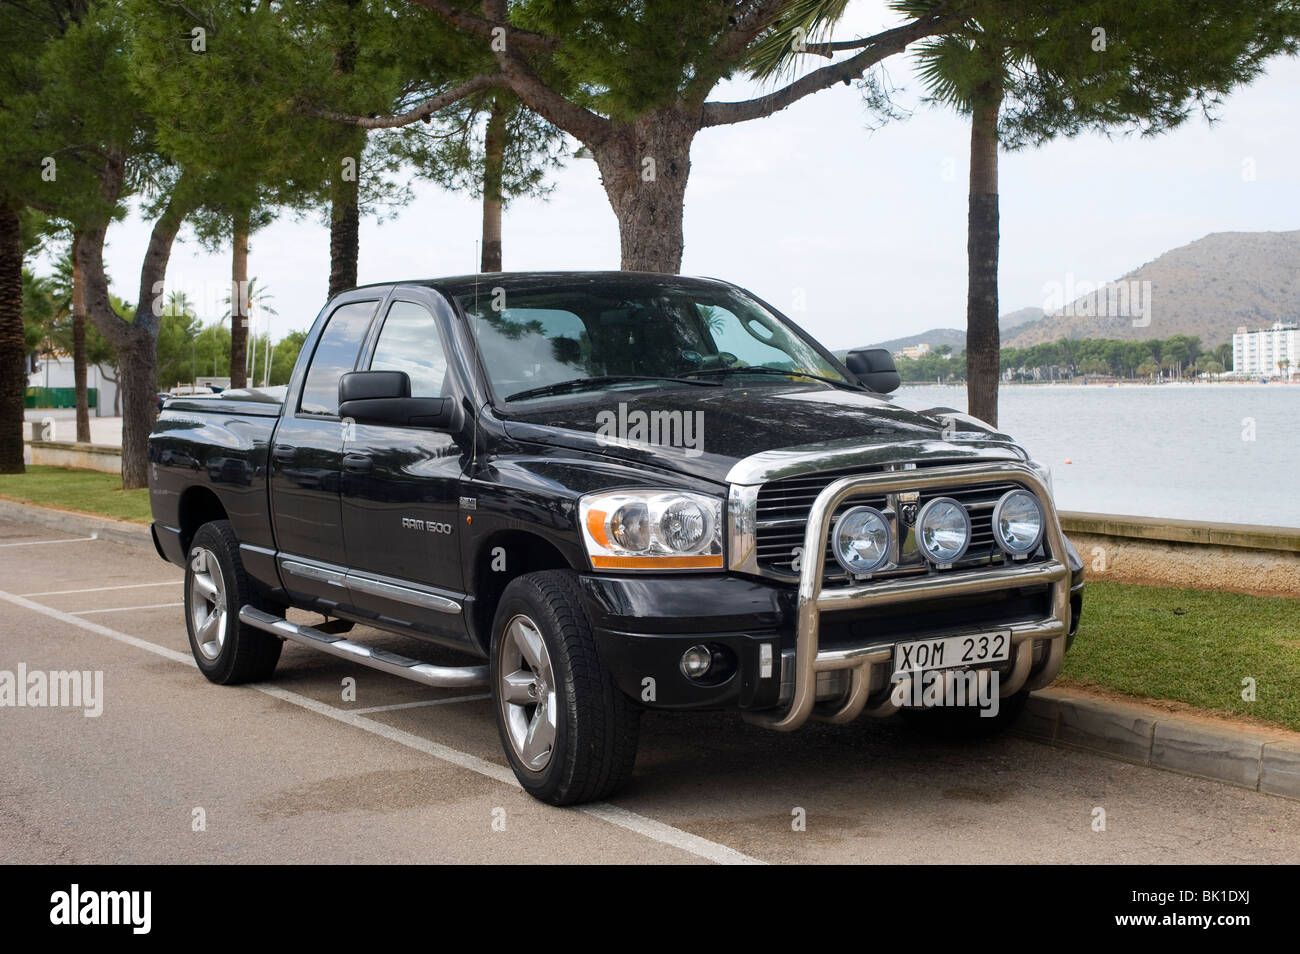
(198, 505)
(502, 557)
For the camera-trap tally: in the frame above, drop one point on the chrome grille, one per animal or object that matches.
(782, 518)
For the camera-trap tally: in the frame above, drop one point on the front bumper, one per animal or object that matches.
(781, 670)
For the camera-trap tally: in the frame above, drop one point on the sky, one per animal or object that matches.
(857, 234)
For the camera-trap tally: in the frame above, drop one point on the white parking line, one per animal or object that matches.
(38, 543)
(611, 814)
(104, 589)
(416, 705)
(123, 609)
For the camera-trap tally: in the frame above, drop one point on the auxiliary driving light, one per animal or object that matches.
(862, 540)
(696, 662)
(943, 531)
(1018, 523)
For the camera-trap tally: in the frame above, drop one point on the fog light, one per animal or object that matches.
(1018, 523)
(696, 662)
(943, 531)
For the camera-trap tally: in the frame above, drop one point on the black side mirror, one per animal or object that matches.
(875, 368)
(384, 397)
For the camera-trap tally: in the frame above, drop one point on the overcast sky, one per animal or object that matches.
(867, 228)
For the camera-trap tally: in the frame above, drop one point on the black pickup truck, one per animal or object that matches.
(614, 491)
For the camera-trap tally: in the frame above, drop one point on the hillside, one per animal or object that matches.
(1207, 288)
(955, 338)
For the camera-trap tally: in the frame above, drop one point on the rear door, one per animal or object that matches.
(401, 487)
(306, 463)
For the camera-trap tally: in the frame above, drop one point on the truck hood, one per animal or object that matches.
(709, 432)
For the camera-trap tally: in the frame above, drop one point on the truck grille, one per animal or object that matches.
(784, 506)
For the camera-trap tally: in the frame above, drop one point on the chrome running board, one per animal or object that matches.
(427, 674)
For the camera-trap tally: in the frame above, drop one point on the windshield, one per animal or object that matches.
(539, 343)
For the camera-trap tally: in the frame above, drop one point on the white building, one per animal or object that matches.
(914, 351)
(55, 371)
(1270, 352)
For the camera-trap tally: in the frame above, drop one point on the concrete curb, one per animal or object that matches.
(1256, 759)
(80, 524)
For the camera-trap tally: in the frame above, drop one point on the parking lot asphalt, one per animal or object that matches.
(176, 769)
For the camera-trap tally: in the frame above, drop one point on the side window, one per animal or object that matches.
(335, 355)
(409, 341)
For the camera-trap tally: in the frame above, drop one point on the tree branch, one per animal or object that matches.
(878, 48)
(580, 122)
(478, 26)
(427, 108)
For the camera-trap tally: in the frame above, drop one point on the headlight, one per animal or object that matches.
(861, 540)
(652, 530)
(943, 531)
(1018, 523)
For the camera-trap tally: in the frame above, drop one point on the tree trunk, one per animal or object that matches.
(239, 303)
(13, 346)
(644, 167)
(345, 227)
(79, 345)
(135, 341)
(983, 341)
(494, 149)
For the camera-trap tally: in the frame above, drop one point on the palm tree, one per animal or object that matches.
(969, 71)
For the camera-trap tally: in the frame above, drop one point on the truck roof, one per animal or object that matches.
(465, 284)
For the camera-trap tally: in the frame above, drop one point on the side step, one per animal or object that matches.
(440, 677)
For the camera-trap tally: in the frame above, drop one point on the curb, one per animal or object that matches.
(83, 524)
(1258, 760)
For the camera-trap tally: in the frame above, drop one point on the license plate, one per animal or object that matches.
(952, 651)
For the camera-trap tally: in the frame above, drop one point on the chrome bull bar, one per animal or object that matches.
(813, 600)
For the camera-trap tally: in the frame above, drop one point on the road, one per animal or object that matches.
(175, 769)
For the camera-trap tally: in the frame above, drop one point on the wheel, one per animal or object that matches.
(569, 732)
(965, 722)
(216, 586)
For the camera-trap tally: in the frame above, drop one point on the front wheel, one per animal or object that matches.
(569, 732)
(216, 586)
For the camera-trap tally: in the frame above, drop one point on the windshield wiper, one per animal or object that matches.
(584, 384)
(763, 370)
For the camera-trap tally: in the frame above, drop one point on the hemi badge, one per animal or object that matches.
(469, 503)
(764, 660)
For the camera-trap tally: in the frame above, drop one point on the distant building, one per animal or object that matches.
(914, 351)
(1270, 352)
(54, 381)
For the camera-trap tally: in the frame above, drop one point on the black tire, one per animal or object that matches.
(596, 725)
(966, 722)
(239, 653)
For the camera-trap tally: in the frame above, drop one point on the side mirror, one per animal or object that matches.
(384, 397)
(875, 368)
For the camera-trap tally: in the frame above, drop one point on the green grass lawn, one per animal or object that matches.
(84, 490)
(1192, 646)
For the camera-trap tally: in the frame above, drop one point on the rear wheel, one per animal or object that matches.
(216, 586)
(570, 734)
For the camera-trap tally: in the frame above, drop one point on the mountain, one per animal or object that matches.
(955, 338)
(1208, 288)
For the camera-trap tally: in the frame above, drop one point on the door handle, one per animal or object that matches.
(357, 463)
(284, 454)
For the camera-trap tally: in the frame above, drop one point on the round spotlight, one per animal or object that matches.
(1018, 523)
(696, 662)
(943, 531)
(861, 540)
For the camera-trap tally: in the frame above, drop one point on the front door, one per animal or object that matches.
(401, 486)
(305, 465)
